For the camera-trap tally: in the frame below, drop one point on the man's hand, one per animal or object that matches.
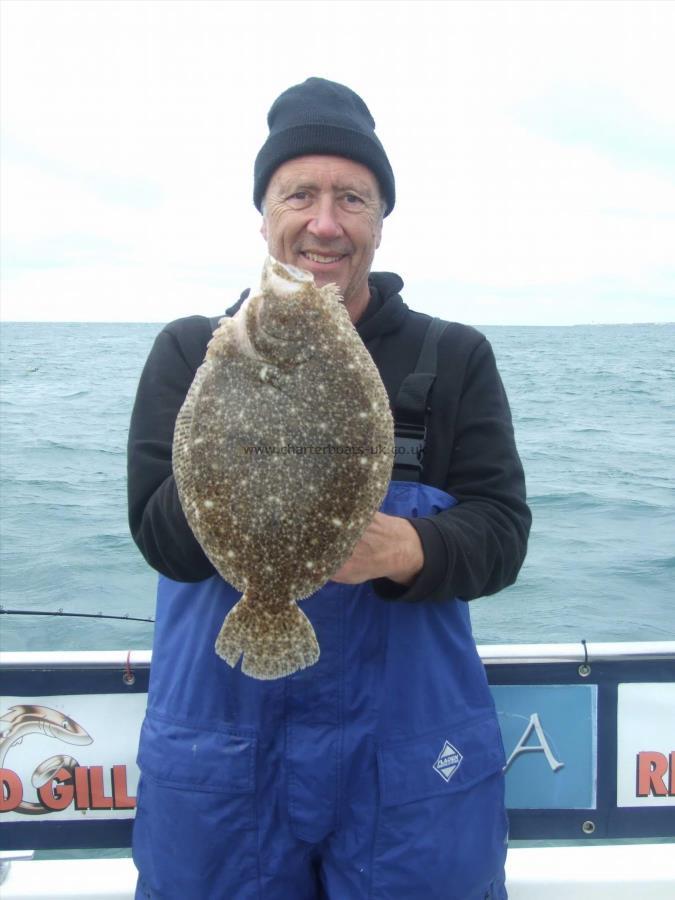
(389, 548)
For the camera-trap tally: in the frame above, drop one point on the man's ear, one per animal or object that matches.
(263, 228)
(378, 233)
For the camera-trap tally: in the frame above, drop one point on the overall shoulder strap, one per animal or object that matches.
(411, 407)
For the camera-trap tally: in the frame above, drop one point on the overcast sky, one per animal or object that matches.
(533, 145)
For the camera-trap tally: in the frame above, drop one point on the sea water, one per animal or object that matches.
(594, 414)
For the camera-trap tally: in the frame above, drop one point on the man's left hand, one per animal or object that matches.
(389, 548)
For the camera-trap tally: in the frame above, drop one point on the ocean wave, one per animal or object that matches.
(618, 507)
(75, 395)
(104, 542)
(564, 498)
(72, 447)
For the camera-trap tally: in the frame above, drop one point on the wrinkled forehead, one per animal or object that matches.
(334, 173)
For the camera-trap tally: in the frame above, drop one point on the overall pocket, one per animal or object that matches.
(442, 825)
(196, 834)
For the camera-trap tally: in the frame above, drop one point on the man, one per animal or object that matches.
(376, 773)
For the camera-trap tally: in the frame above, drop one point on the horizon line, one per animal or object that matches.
(479, 325)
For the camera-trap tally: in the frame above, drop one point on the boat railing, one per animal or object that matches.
(588, 730)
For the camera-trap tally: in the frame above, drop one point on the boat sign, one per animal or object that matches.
(70, 758)
(550, 736)
(589, 736)
(646, 749)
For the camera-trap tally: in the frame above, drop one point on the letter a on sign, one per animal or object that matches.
(542, 747)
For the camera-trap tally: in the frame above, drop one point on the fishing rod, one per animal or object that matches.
(60, 612)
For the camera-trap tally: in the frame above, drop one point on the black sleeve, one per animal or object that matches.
(478, 546)
(156, 518)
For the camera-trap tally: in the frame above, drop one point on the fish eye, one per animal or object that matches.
(66, 725)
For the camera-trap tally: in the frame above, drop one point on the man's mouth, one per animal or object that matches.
(323, 258)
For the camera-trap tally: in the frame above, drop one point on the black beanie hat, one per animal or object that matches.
(321, 117)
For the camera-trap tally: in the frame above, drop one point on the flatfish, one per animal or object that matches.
(282, 454)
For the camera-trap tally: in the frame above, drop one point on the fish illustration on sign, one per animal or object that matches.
(20, 721)
(282, 454)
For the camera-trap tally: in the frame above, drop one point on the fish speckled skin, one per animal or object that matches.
(282, 454)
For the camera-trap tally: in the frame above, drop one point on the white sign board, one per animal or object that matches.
(646, 745)
(69, 758)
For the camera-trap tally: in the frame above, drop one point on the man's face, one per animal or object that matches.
(324, 214)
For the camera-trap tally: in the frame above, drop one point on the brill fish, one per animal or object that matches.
(282, 454)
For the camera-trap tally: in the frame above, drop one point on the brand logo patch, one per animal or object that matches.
(448, 761)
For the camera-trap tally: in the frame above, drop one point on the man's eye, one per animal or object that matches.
(299, 200)
(352, 200)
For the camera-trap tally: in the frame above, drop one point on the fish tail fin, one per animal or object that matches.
(274, 639)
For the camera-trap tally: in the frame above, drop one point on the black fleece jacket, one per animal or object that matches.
(475, 548)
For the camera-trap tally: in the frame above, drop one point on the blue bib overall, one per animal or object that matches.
(376, 773)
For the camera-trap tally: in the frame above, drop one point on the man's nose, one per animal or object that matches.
(324, 223)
